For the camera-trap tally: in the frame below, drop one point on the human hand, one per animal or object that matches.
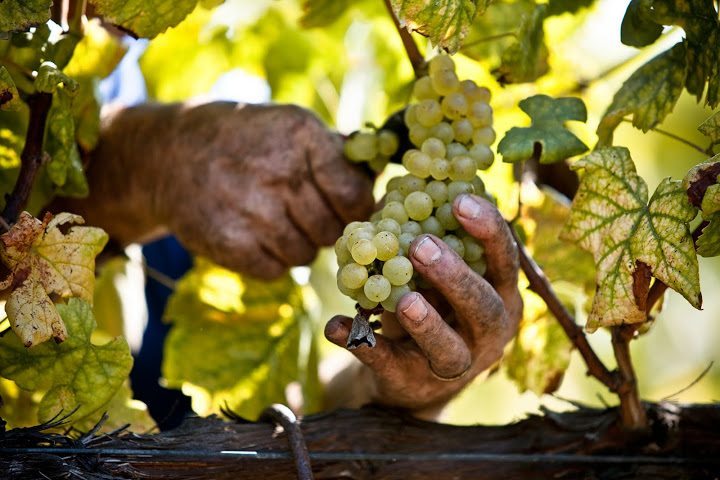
(439, 340)
(254, 188)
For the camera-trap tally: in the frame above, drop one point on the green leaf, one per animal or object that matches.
(540, 354)
(638, 29)
(711, 127)
(97, 54)
(49, 79)
(702, 184)
(445, 22)
(708, 243)
(253, 338)
(144, 18)
(630, 239)
(19, 15)
(9, 96)
(75, 374)
(649, 94)
(65, 168)
(321, 13)
(546, 138)
(526, 60)
(123, 412)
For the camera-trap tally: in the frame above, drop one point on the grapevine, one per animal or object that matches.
(450, 126)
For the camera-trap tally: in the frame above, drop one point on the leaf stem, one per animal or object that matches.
(416, 58)
(489, 39)
(31, 157)
(541, 285)
(676, 137)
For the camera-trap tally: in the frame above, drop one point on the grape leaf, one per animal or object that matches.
(144, 18)
(649, 94)
(546, 137)
(44, 261)
(638, 29)
(710, 127)
(9, 96)
(49, 80)
(526, 59)
(321, 13)
(708, 243)
(97, 54)
(630, 239)
(65, 168)
(541, 351)
(445, 22)
(123, 411)
(75, 374)
(702, 184)
(19, 15)
(252, 338)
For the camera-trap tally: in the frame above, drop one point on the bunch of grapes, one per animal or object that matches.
(451, 126)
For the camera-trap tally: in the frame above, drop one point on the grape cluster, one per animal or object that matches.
(451, 126)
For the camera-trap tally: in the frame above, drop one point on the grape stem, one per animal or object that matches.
(416, 58)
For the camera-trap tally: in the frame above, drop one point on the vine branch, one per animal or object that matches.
(416, 58)
(30, 158)
(632, 411)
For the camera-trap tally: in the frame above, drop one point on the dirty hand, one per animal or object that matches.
(255, 188)
(440, 339)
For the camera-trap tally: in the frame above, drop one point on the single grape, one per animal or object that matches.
(454, 105)
(462, 168)
(422, 89)
(473, 250)
(433, 226)
(444, 215)
(410, 117)
(342, 252)
(482, 155)
(352, 226)
(478, 185)
(398, 270)
(457, 188)
(474, 93)
(396, 293)
(377, 288)
(428, 113)
(440, 63)
(364, 301)
(357, 235)
(443, 131)
(418, 163)
(386, 244)
(387, 142)
(412, 227)
(418, 205)
(350, 292)
(479, 267)
(378, 163)
(411, 183)
(484, 136)
(418, 134)
(393, 183)
(433, 147)
(396, 211)
(353, 275)
(456, 244)
(440, 169)
(389, 225)
(445, 82)
(480, 114)
(405, 239)
(362, 146)
(364, 251)
(462, 130)
(437, 191)
(393, 196)
(455, 149)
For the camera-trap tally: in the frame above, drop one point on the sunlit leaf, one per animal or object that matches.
(526, 59)
(630, 239)
(97, 54)
(638, 29)
(122, 412)
(702, 184)
(9, 96)
(445, 22)
(320, 13)
(144, 18)
(49, 79)
(75, 374)
(248, 334)
(546, 138)
(19, 15)
(711, 127)
(649, 94)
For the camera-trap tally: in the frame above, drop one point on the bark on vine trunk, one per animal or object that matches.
(684, 442)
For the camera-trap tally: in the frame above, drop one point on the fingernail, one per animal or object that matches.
(469, 207)
(426, 251)
(416, 311)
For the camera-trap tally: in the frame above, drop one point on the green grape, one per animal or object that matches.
(376, 216)
(387, 142)
(364, 251)
(473, 250)
(437, 190)
(417, 163)
(482, 155)
(377, 288)
(389, 225)
(418, 205)
(455, 149)
(386, 244)
(462, 130)
(393, 196)
(428, 113)
(411, 183)
(341, 251)
(411, 227)
(458, 187)
(353, 276)
(418, 134)
(456, 244)
(398, 270)
(393, 183)
(440, 63)
(350, 292)
(445, 82)
(484, 136)
(479, 267)
(454, 105)
(364, 301)
(378, 163)
(361, 147)
(474, 93)
(440, 169)
(433, 226)
(396, 211)
(478, 185)
(410, 117)
(443, 131)
(369, 226)
(434, 147)
(462, 168)
(405, 239)
(351, 227)
(357, 235)
(396, 293)
(444, 215)
(422, 89)
(480, 114)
